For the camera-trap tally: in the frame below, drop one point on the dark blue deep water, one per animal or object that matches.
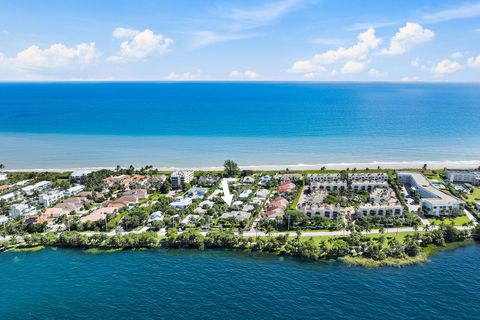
(50, 125)
(189, 284)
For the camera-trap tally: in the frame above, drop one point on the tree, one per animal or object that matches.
(231, 168)
(424, 167)
(476, 233)
(2, 166)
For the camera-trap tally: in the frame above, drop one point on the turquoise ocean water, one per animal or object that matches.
(65, 125)
(189, 284)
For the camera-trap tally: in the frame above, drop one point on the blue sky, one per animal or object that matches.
(294, 40)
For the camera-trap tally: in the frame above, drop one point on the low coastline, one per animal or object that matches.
(417, 164)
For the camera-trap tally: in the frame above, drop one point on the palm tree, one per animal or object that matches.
(2, 166)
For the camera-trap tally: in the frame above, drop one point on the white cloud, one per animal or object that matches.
(456, 55)
(56, 56)
(474, 62)
(375, 73)
(410, 79)
(460, 12)
(187, 76)
(353, 67)
(415, 63)
(446, 66)
(375, 25)
(203, 38)
(139, 45)
(407, 37)
(249, 74)
(124, 33)
(261, 15)
(356, 53)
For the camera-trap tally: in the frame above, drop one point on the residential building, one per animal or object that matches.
(47, 199)
(39, 186)
(287, 187)
(22, 209)
(73, 190)
(367, 181)
(245, 194)
(326, 181)
(261, 194)
(248, 179)
(238, 215)
(157, 215)
(383, 202)
(181, 203)
(208, 180)
(433, 201)
(98, 214)
(290, 177)
(55, 212)
(463, 176)
(180, 178)
(197, 192)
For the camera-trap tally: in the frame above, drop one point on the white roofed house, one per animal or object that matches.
(248, 179)
(245, 194)
(181, 203)
(261, 194)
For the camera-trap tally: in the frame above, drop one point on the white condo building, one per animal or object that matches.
(463, 176)
(49, 198)
(22, 209)
(367, 181)
(180, 178)
(383, 202)
(39, 186)
(326, 181)
(433, 201)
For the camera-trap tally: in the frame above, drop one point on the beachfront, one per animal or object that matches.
(167, 206)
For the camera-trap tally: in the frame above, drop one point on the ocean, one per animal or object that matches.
(216, 284)
(70, 125)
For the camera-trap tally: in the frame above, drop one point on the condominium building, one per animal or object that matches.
(367, 181)
(49, 198)
(383, 202)
(180, 178)
(463, 176)
(290, 177)
(39, 186)
(326, 181)
(433, 201)
(22, 209)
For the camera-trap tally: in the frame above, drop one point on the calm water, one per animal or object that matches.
(201, 124)
(220, 285)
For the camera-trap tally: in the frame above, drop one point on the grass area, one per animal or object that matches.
(400, 236)
(27, 249)
(388, 262)
(293, 206)
(457, 221)
(474, 196)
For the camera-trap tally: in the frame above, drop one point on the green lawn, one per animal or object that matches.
(475, 196)
(399, 236)
(458, 221)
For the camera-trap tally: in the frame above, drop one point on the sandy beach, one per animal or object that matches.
(467, 164)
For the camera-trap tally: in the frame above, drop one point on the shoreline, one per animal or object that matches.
(453, 164)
